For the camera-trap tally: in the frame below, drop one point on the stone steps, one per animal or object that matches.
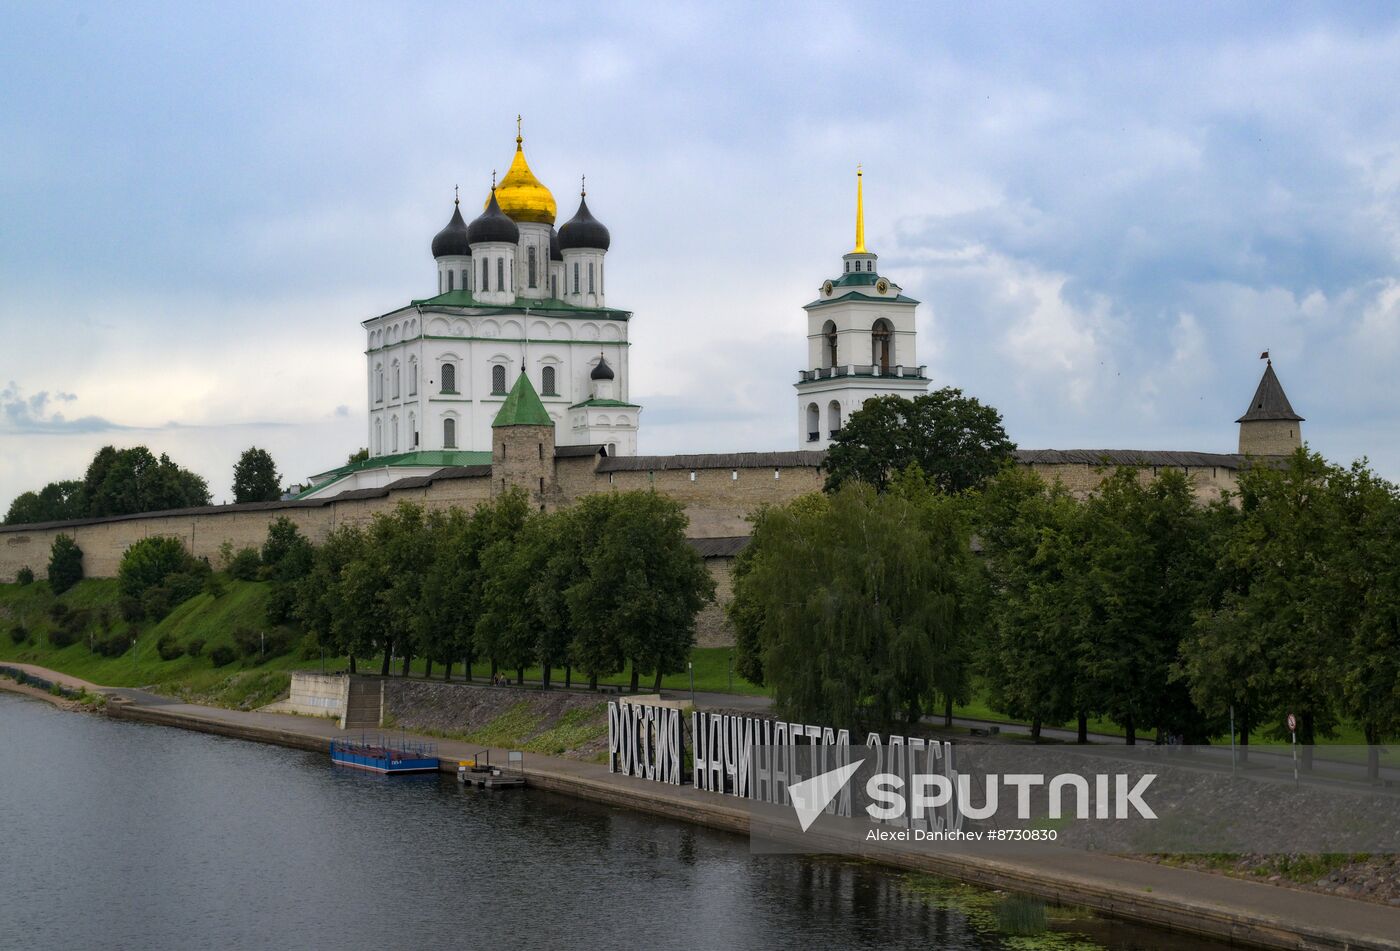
(362, 704)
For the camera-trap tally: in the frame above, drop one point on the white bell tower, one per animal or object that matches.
(860, 344)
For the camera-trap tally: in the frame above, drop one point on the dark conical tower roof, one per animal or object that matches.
(602, 371)
(1270, 402)
(492, 225)
(583, 230)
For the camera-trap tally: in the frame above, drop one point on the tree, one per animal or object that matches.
(127, 481)
(956, 441)
(55, 502)
(1031, 534)
(643, 584)
(510, 624)
(255, 477)
(149, 562)
(1284, 627)
(1146, 563)
(65, 564)
(287, 558)
(319, 603)
(359, 456)
(855, 601)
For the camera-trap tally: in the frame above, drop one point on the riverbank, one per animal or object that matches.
(1186, 901)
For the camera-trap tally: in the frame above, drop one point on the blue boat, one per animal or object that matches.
(389, 756)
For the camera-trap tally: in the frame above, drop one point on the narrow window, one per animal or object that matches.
(449, 378)
(412, 377)
(394, 434)
(590, 277)
(396, 381)
(692, 475)
(532, 266)
(734, 474)
(500, 274)
(449, 433)
(449, 281)
(547, 381)
(554, 286)
(575, 277)
(541, 448)
(485, 275)
(465, 272)
(378, 438)
(498, 378)
(541, 485)
(439, 282)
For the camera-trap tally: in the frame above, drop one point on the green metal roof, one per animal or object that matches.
(598, 402)
(522, 406)
(427, 458)
(550, 305)
(849, 295)
(856, 278)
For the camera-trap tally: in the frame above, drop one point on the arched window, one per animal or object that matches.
(547, 381)
(485, 275)
(396, 379)
(881, 344)
(575, 277)
(449, 281)
(590, 277)
(378, 438)
(829, 332)
(833, 418)
(412, 431)
(449, 378)
(412, 376)
(500, 274)
(378, 383)
(393, 434)
(554, 286)
(531, 254)
(498, 378)
(814, 423)
(449, 433)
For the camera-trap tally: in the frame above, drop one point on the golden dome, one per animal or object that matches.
(520, 194)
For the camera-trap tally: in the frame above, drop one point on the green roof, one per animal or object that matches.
(460, 298)
(598, 402)
(522, 406)
(850, 295)
(856, 279)
(427, 458)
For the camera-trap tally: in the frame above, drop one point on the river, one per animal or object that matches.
(123, 835)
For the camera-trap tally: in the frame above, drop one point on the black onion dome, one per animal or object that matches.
(555, 254)
(453, 238)
(492, 225)
(583, 230)
(602, 371)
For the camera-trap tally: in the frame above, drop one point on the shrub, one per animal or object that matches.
(168, 649)
(61, 636)
(195, 647)
(184, 585)
(156, 602)
(245, 565)
(114, 646)
(65, 564)
(149, 562)
(214, 586)
(225, 554)
(25, 575)
(104, 618)
(130, 608)
(58, 612)
(248, 641)
(222, 655)
(19, 633)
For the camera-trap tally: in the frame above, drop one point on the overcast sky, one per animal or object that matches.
(1107, 211)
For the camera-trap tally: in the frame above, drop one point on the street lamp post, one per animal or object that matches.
(691, 665)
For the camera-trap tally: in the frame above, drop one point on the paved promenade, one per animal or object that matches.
(1249, 913)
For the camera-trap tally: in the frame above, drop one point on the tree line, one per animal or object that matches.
(869, 604)
(606, 583)
(134, 480)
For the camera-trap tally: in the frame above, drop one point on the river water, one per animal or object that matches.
(123, 835)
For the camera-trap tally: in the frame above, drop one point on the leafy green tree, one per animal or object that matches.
(255, 477)
(55, 502)
(319, 604)
(1282, 630)
(1032, 537)
(1146, 560)
(354, 457)
(149, 562)
(509, 627)
(65, 564)
(643, 584)
(444, 629)
(855, 601)
(287, 557)
(955, 440)
(126, 481)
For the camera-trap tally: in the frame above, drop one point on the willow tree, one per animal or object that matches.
(858, 602)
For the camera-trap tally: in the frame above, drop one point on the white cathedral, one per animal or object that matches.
(516, 295)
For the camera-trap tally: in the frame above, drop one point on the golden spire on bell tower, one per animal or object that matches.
(860, 215)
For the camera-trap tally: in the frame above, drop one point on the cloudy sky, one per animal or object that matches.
(1108, 210)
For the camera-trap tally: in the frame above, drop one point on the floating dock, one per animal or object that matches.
(387, 756)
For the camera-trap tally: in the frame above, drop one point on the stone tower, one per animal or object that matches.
(1270, 427)
(522, 444)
